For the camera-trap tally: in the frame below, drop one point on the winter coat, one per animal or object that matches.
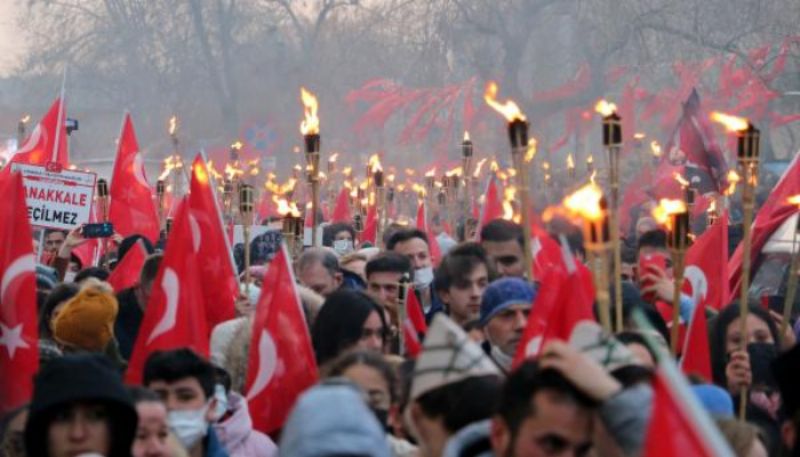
(237, 435)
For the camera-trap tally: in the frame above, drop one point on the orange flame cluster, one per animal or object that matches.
(585, 202)
(666, 208)
(733, 179)
(509, 109)
(655, 148)
(731, 123)
(310, 124)
(794, 200)
(374, 163)
(605, 108)
(466, 135)
(171, 162)
(286, 208)
(333, 157)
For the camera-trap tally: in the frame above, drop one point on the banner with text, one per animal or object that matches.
(57, 198)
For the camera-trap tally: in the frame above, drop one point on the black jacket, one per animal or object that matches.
(128, 321)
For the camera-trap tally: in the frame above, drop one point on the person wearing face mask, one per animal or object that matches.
(505, 306)
(340, 236)
(413, 243)
(186, 382)
(733, 368)
(233, 424)
(373, 374)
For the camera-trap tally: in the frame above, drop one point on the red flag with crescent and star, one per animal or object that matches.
(175, 315)
(48, 140)
(132, 209)
(19, 350)
(281, 364)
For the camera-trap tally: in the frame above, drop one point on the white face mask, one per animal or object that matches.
(343, 247)
(423, 277)
(189, 426)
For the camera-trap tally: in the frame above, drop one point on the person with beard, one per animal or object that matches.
(504, 243)
(414, 244)
(460, 281)
(376, 377)
(454, 384)
(505, 306)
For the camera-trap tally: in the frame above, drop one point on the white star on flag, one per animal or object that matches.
(11, 338)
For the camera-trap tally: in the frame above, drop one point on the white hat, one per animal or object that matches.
(448, 356)
(591, 340)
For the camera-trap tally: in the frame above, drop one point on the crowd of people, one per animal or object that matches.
(463, 395)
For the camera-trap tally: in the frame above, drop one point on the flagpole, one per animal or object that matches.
(60, 121)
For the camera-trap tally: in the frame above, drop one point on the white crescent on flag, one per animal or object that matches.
(22, 265)
(138, 170)
(699, 283)
(171, 286)
(33, 141)
(196, 233)
(268, 362)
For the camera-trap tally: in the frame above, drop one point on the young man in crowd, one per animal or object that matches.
(186, 383)
(460, 281)
(318, 269)
(503, 241)
(79, 406)
(505, 307)
(413, 244)
(454, 384)
(132, 303)
(384, 273)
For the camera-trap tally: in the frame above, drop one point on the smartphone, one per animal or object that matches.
(99, 230)
(644, 268)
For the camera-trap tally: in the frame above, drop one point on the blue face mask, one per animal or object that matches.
(189, 426)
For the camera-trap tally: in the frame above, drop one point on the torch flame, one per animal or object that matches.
(173, 125)
(458, 171)
(374, 163)
(681, 180)
(589, 160)
(310, 124)
(655, 148)
(286, 208)
(509, 109)
(410, 172)
(430, 173)
(731, 123)
(25, 119)
(667, 207)
(585, 202)
(508, 210)
(347, 171)
(466, 136)
(733, 180)
(794, 200)
(605, 108)
(712, 208)
(570, 161)
(233, 172)
(638, 136)
(333, 157)
(170, 163)
(237, 146)
(530, 153)
(593, 177)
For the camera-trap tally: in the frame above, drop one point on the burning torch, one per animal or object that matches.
(747, 158)
(102, 202)
(246, 207)
(310, 130)
(21, 130)
(466, 165)
(380, 196)
(674, 215)
(161, 190)
(292, 225)
(589, 204)
(518, 136)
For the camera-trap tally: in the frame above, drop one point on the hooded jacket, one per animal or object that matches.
(78, 378)
(237, 435)
(332, 420)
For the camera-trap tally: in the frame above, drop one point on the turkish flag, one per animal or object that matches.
(370, 233)
(547, 254)
(341, 213)
(492, 207)
(175, 315)
(413, 326)
(433, 242)
(281, 364)
(132, 209)
(220, 285)
(126, 274)
(48, 141)
(773, 213)
(678, 426)
(19, 350)
(707, 267)
(565, 297)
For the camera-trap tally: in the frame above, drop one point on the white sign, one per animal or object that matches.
(56, 198)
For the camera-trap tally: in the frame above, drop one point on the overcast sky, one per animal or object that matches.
(11, 43)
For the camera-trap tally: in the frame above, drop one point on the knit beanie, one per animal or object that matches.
(87, 320)
(504, 293)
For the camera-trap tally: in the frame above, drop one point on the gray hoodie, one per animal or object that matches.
(332, 420)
